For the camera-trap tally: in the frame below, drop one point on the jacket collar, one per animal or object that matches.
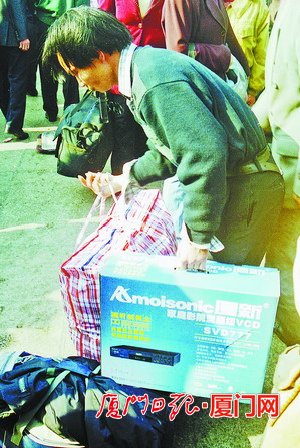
(124, 77)
(240, 7)
(217, 12)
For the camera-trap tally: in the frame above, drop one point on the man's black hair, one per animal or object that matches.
(79, 34)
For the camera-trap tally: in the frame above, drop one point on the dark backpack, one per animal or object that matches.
(84, 136)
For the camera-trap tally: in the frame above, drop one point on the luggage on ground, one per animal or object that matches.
(143, 225)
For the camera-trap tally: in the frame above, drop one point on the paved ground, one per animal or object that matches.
(41, 214)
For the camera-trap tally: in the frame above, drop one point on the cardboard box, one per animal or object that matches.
(189, 332)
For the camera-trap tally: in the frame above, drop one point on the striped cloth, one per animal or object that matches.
(143, 225)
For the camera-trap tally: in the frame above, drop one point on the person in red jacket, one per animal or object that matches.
(143, 20)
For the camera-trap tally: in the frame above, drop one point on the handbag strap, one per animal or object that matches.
(86, 95)
(26, 418)
(103, 107)
(132, 217)
(99, 202)
(102, 104)
(75, 109)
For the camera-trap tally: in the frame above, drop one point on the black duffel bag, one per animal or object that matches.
(66, 395)
(84, 136)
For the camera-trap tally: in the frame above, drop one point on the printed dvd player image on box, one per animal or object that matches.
(145, 354)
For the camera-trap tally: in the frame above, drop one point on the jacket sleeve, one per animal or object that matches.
(158, 166)
(198, 144)
(19, 18)
(261, 110)
(294, 129)
(236, 49)
(257, 76)
(297, 178)
(107, 5)
(177, 25)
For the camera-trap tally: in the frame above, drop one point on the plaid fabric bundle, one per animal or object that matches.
(143, 225)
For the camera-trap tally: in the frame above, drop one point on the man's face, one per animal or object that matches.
(99, 76)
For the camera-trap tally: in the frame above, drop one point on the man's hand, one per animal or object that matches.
(251, 100)
(191, 257)
(24, 45)
(103, 183)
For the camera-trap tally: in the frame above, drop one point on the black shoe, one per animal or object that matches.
(32, 91)
(20, 134)
(50, 117)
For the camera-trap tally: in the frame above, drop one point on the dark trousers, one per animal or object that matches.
(129, 137)
(33, 53)
(250, 217)
(4, 88)
(13, 72)
(33, 56)
(48, 84)
(281, 255)
(32, 69)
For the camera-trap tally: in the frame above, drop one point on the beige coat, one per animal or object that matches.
(278, 107)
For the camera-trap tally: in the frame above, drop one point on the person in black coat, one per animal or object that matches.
(14, 46)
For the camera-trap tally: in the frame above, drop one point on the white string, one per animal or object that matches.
(107, 178)
(99, 202)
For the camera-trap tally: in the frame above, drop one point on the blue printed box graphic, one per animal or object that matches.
(185, 332)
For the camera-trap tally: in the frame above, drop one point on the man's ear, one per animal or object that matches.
(102, 56)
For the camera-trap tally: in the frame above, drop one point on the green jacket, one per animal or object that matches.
(197, 127)
(250, 21)
(49, 10)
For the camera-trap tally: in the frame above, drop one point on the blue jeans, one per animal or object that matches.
(13, 78)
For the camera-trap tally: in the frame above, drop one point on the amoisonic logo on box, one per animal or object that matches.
(121, 295)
